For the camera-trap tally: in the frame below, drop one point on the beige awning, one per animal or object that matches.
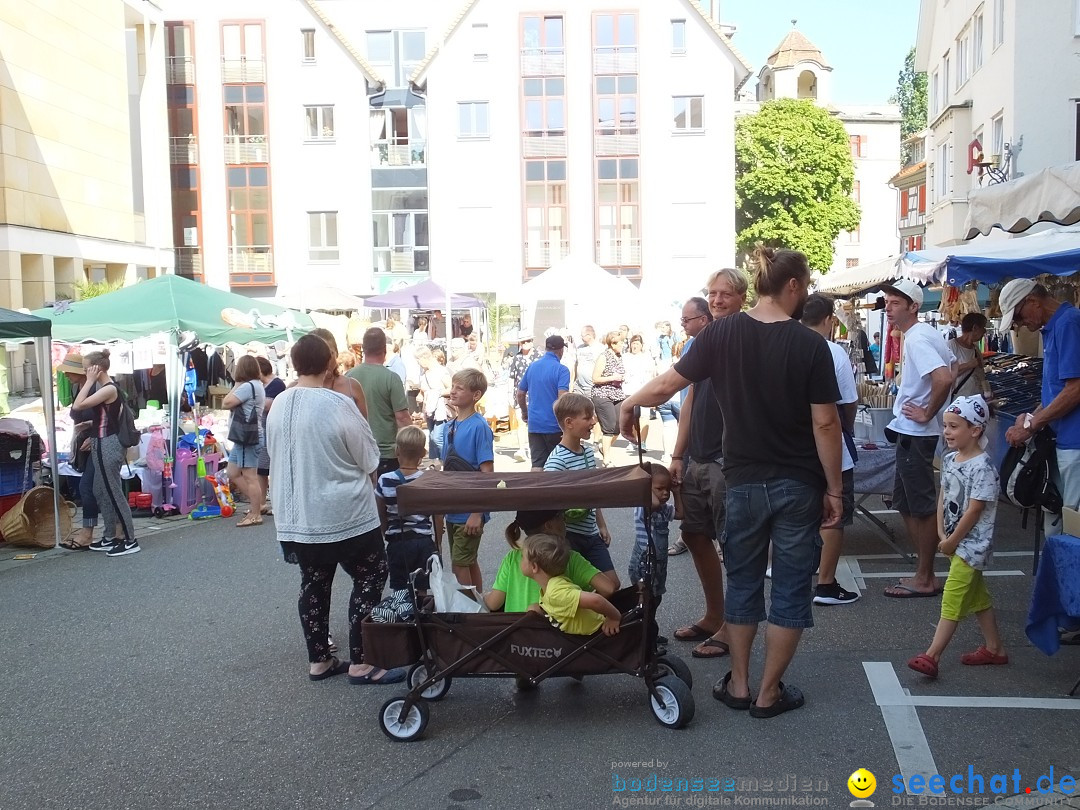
(856, 279)
(1052, 195)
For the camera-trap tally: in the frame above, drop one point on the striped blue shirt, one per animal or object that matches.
(398, 526)
(661, 520)
(562, 458)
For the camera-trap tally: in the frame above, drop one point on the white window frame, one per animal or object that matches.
(305, 34)
(999, 22)
(321, 135)
(946, 66)
(480, 39)
(942, 157)
(935, 94)
(963, 57)
(676, 48)
(997, 136)
(474, 133)
(324, 248)
(1076, 18)
(978, 40)
(688, 129)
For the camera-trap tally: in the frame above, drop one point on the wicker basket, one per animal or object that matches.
(30, 522)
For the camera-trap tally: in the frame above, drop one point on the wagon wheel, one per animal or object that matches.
(675, 706)
(411, 727)
(672, 664)
(418, 673)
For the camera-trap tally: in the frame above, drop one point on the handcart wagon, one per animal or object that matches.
(439, 647)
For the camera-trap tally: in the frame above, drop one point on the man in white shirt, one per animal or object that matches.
(927, 372)
(818, 316)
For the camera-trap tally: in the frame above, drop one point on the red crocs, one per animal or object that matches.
(983, 657)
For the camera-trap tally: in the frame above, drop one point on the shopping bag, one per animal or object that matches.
(450, 595)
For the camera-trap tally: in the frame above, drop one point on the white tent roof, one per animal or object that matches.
(1052, 195)
(578, 279)
(330, 299)
(855, 279)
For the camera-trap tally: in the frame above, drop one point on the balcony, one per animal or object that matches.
(245, 70)
(542, 254)
(387, 154)
(613, 61)
(251, 265)
(543, 144)
(246, 149)
(402, 260)
(179, 70)
(189, 263)
(618, 253)
(912, 220)
(610, 142)
(543, 62)
(184, 150)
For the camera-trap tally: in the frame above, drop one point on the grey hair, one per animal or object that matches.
(736, 278)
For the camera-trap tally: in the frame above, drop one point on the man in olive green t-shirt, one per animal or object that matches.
(388, 409)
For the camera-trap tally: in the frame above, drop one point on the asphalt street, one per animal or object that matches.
(177, 678)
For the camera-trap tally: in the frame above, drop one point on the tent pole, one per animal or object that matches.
(43, 347)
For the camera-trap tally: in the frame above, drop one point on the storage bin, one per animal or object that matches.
(870, 423)
(11, 478)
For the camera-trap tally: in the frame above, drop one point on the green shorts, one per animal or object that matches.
(463, 547)
(965, 592)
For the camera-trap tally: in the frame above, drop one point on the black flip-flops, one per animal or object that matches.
(791, 697)
(721, 693)
(336, 668)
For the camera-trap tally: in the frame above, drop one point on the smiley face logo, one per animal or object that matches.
(861, 783)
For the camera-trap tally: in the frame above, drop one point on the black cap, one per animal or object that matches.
(554, 343)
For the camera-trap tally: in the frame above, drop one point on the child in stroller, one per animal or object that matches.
(572, 610)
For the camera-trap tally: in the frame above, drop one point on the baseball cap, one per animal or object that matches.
(1011, 295)
(523, 336)
(554, 343)
(907, 288)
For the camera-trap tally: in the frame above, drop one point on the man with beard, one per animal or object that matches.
(777, 390)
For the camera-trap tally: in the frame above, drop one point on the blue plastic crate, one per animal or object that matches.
(11, 482)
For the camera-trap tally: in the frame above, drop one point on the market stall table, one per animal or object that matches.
(1055, 599)
(875, 473)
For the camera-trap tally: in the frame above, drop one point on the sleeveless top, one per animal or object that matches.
(613, 364)
(107, 416)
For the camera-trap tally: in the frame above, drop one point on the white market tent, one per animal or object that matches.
(589, 291)
(1051, 195)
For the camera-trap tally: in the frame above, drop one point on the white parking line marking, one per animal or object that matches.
(939, 574)
(913, 755)
(996, 702)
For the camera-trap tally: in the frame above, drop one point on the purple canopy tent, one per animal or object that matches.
(425, 295)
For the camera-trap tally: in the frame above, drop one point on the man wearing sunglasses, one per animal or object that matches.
(1025, 303)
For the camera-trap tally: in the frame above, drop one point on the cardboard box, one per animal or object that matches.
(1072, 521)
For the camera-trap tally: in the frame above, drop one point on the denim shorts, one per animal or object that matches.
(669, 411)
(787, 513)
(593, 549)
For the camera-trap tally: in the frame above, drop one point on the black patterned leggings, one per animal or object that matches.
(368, 571)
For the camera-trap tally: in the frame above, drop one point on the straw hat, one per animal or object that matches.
(73, 363)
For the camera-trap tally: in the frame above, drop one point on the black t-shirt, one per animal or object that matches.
(765, 377)
(706, 423)
(274, 387)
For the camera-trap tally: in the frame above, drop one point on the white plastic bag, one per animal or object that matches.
(450, 595)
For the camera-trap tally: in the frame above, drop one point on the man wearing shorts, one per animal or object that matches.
(926, 377)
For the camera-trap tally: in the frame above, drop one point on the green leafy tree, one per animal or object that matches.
(93, 289)
(793, 180)
(911, 96)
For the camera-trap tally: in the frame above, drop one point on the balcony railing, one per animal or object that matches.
(607, 61)
(401, 260)
(543, 62)
(184, 150)
(542, 144)
(189, 262)
(246, 149)
(913, 220)
(384, 153)
(251, 264)
(245, 70)
(618, 252)
(544, 253)
(179, 70)
(628, 143)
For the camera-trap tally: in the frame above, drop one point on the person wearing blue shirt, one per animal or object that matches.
(1025, 303)
(543, 382)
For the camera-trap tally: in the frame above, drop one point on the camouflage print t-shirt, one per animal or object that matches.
(962, 481)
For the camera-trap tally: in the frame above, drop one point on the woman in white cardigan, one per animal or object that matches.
(322, 454)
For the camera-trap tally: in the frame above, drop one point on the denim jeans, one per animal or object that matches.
(787, 513)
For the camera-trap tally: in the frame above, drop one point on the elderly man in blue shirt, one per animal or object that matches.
(544, 381)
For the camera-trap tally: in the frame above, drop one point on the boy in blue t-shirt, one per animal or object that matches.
(469, 437)
(587, 532)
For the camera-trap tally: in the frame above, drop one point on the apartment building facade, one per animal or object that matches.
(798, 69)
(84, 179)
(368, 146)
(910, 185)
(1003, 97)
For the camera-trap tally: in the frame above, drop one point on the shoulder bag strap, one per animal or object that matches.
(960, 384)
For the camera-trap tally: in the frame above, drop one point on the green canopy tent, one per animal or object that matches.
(17, 327)
(174, 304)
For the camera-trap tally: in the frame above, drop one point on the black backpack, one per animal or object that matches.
(1025, 473)
(126, 432)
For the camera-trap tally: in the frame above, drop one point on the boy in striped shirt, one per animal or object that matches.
(586, 529)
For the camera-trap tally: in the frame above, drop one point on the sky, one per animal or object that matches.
(865, 41)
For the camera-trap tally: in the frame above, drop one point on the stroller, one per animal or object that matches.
(439, 647)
